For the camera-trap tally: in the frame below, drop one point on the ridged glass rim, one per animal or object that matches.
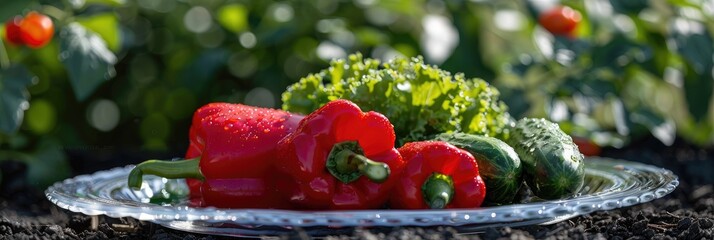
(631, 183)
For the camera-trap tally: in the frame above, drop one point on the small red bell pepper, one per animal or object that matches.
(339, 158)
(437, 175)
(232, 149)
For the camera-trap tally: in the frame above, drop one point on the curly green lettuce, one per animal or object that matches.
(420, 100)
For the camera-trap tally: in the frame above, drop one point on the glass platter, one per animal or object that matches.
(609, 184)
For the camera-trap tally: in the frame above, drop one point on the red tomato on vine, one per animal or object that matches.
(36, 30)
(587, 147)
(12, 30)
(560, 21)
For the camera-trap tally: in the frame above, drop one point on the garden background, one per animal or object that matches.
(121, 78)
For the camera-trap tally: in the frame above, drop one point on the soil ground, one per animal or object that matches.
(687, 213)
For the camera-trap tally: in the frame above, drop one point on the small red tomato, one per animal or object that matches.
(561, 20)
(36, 30)
(12, 30)
(586, 146)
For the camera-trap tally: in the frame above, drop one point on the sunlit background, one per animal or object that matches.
(632, 69)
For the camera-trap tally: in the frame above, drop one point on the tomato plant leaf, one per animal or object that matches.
(629, 6)
(662, 129)
(694, 43)
(13, 97)
(88, 60)
(106, 25)
(619, 53)
(698, 92)
(12, 8)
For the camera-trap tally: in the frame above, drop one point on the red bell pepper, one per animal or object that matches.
(232, 148)
(438, 175)
(324, 160)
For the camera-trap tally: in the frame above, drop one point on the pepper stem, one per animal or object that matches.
(347, 163)
(168, 169)
(438, 190)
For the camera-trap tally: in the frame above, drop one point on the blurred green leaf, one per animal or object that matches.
(694, 42)
(662, 129)
(684, 3)
(47, 60)
(233, 17)
(11, 8)
(48, 164)
(516, 100)
(107, 2)
(203, 69)
(695, 46)
(179, 103)
(618, 53)
(589, 85)
(370, 36)
(660, 54)
(619, 115)
(41, 116)
(106, 25)
(78, 4)
(467, 57)
(570, 46)
(88, 60)
(520, 68)
(13, 96)
(698, 93)
(629, 6)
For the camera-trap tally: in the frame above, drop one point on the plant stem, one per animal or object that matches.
(4, 58)
(54, 12)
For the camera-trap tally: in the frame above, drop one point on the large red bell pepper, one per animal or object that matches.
(231, 152)
(339, 158)
(438, 175)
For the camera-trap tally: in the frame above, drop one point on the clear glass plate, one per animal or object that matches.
(609, 184)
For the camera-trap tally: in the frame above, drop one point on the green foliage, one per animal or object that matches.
(41, 116)
(13, 97)
(644, 68)
(233, 17)
(47, 164)
(420, 100)
(694, 43)
(87, 59)
(106, 26)
(633, 68)
(11, 8)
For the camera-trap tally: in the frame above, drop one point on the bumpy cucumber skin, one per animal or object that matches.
(553, 165)
(498, 164)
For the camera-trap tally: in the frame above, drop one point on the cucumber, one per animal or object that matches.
(553, 165)
(498, 164)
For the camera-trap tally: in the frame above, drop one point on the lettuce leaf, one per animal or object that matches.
(420, 100)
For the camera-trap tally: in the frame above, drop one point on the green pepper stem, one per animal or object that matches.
(438, 190)
(376, 171)
(168, 169)
(347, 163)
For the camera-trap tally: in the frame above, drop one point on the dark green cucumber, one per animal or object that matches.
(553, 165)
(498, 164)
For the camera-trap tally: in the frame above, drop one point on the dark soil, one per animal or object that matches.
(687, 213)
